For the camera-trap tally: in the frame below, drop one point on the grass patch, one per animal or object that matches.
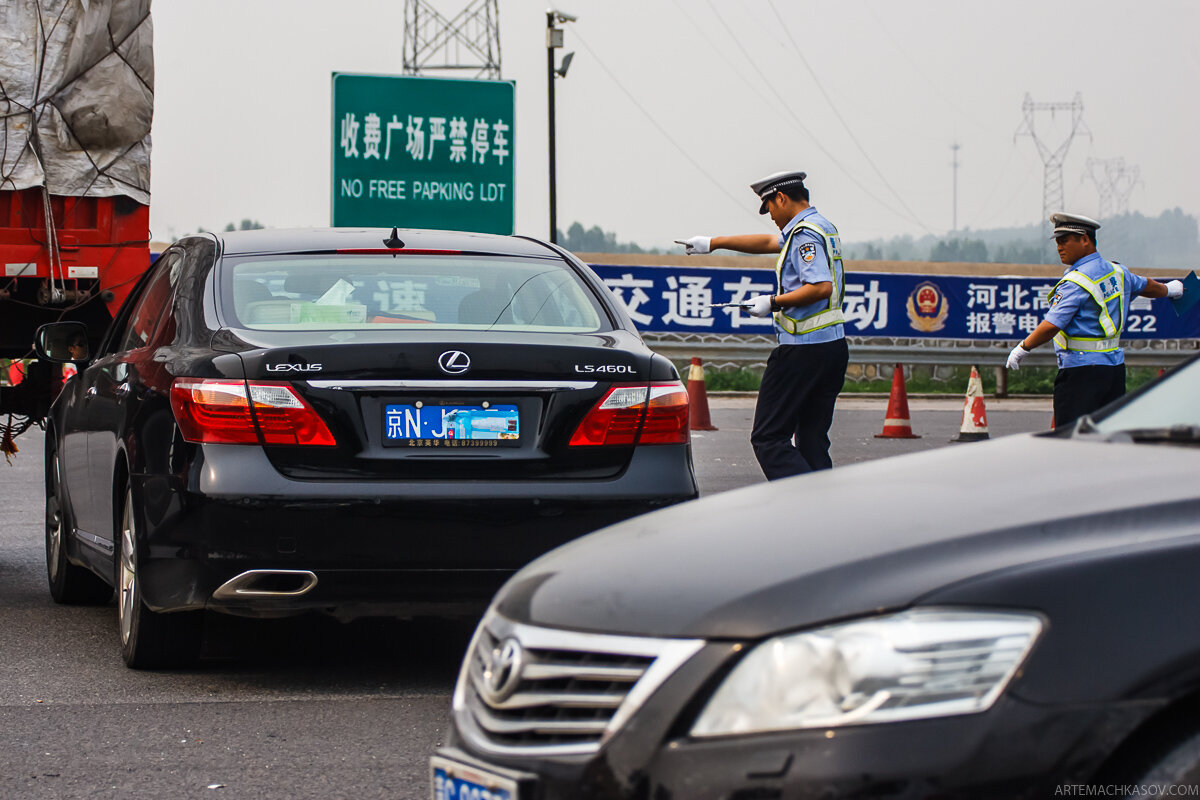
(732, 380)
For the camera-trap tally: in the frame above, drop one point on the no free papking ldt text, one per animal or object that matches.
(432, 191)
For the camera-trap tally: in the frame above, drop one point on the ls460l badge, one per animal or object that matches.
(610, 368)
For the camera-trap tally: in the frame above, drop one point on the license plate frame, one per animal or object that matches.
(492, 782)
(441, 424)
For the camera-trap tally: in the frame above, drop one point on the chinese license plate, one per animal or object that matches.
(454, 781)
(433, 425)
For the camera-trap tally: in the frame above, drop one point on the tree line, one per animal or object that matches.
(1172, 239)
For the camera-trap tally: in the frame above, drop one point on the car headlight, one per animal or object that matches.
(912, 665)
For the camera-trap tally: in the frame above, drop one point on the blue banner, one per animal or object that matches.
(679, 300)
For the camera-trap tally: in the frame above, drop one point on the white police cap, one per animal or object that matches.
(1072, 223)
(768, 186)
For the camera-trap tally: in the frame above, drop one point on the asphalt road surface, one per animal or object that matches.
(302, 708)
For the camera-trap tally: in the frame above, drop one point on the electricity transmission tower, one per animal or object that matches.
(1115, 181)
(1052, 158)
(468, 43)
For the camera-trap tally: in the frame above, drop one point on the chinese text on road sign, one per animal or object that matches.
(423, 153)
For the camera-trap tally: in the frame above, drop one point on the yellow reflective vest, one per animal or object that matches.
(1108, 292)
(832, 315)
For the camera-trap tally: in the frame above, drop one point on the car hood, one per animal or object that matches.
(856, 540)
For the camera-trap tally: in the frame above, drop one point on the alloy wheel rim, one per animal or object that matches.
(54, 523)
(129, 589)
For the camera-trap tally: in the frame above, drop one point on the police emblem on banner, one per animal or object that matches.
(927, 308)
(808, 251)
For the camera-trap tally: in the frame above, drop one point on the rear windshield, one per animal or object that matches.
(355, 292)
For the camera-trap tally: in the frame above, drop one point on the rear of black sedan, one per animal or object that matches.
(339, 421)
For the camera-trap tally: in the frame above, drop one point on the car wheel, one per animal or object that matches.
(1177, 766)
(149, 639)
(69, 584)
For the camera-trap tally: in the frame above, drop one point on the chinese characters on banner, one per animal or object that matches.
(423, 153)
(679, 300)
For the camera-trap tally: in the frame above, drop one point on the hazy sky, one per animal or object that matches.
(672, 107)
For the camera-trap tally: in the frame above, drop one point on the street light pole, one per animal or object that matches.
(554, 38)
(551, 34)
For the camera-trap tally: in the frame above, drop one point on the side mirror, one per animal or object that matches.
(61, 342)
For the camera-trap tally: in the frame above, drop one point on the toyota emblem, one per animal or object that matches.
(502, 668)
(454, 362)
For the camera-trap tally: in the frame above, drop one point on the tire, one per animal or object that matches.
(1178, 765)
(69, 584)
(149, 639)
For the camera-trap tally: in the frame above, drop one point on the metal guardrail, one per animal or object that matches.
(732, 350)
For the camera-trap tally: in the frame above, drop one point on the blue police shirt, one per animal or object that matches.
(1073, 311)
(803, 264)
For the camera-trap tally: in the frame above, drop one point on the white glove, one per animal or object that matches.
(1014, 358)
(1174, 289)
(697, 245)
(759, 306)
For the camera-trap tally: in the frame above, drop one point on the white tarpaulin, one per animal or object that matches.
(77, 96)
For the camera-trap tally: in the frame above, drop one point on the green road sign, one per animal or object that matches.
(423, 153)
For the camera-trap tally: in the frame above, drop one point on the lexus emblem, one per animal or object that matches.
(502, 668)
(454, 362)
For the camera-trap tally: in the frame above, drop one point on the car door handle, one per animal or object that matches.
(91, 392)
(122, 388)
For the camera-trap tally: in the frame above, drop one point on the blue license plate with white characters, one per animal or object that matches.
(421, 424)
(452, 780)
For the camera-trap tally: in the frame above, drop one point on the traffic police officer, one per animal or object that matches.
(1088, 308)
(807, 369)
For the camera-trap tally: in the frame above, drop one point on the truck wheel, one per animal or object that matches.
(149, 639)
(69, 584)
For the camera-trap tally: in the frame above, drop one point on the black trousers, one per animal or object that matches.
(1082, 390)
(795, 407)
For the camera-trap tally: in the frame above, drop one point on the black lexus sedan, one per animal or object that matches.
(356, 422)
(1009, 619)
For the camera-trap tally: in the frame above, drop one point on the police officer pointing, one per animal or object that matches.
(1088, 308)
(807, 369)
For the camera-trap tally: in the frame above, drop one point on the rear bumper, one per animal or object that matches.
(397, 548)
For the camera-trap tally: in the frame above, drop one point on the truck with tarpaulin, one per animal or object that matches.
(77, 99)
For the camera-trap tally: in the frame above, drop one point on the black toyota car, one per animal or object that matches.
(357, 422)
(1009, 619)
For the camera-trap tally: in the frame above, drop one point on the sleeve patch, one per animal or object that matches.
(808, 251)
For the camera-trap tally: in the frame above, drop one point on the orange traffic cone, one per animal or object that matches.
(896, 424)
(974, 420)
(698, 399)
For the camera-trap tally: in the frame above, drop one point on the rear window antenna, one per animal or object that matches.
(393, 242)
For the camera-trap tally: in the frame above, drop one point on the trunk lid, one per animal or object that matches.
(439, 405)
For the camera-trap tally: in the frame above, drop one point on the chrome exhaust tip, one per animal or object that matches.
(267, 583)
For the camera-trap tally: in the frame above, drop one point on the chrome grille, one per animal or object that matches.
(533, 690)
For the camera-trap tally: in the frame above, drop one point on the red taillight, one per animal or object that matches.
(667, 417)
(219, 411)
(627, 415)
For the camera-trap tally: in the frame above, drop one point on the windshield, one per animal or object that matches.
(355, 292)
(1170, 403)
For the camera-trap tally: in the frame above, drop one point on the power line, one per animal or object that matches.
(739, 202)
(782, 103)
(1021, 186)
(812, 73)
(916, 68)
